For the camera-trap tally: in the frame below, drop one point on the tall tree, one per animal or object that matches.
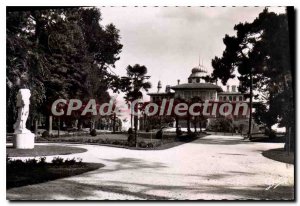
(260, 53)
(59, 53)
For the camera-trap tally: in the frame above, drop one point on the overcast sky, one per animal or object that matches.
(169, 40)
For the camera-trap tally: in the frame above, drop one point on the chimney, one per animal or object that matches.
(227, 88)
(233, 88)
(178, 81)
(168, 89)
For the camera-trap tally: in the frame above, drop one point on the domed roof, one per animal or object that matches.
(199, 69)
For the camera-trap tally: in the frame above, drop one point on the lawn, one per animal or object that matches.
(105, 139)
(145, 140)
(280, 155)
(43, 150)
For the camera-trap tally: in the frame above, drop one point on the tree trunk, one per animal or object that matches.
(135, 129)
(92, 123)
(50, 120)
(36, 127)
(58, 127)
(195, 124)
(176, 122)
(250, 115)
(114, 123)
(188, 123)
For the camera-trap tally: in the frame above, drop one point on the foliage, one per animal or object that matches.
(93, 133)
(58, 53)
(133, 85)
(57, 161)
(261, 49)
(45, 134)
(159, 134)
(130, 131)
(220, 125)
(178, 132)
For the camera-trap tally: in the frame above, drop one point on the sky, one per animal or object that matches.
(170, 40)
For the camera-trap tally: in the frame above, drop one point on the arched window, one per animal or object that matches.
(198, 80)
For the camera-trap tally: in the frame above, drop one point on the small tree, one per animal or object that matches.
(133, 85)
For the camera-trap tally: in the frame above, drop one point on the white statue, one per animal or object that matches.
(23, 111)
(23, 138)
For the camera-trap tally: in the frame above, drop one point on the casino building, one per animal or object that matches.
(196, 86)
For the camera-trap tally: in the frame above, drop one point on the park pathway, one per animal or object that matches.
(214, 167)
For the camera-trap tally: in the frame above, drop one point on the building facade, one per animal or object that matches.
(197, 87)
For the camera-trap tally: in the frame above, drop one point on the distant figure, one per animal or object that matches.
(23, 111)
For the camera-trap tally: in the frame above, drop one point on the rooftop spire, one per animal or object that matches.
(158, 86)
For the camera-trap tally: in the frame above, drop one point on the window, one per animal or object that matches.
(190, 80)
(234, 98)
(230, 98)
(198, 80)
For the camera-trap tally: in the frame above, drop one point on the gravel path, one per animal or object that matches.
(214, 167)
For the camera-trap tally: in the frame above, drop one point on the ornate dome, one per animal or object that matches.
(199, 68)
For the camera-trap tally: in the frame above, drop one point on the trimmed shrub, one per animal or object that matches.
(270, 133)
(159, 134)
(220, 125)
(131, 140)
(45, 134)
(150, 145)
(142, 144)
(178, 132)
(93, 133)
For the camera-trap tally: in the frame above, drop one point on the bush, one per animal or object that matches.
(159, 134)
(270, 133)
(57, 161)
(42, 161)
(130, 131)
(142, 144)
(117, 142)
(31, 162)
(131, 140)
(150, 145)
(178, 132)
(220, 125)
(70, 161)
(45, 134)
(93, 133)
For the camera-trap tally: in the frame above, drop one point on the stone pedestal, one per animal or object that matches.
(23, 141)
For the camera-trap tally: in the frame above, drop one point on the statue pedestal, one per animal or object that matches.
(23, 141)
